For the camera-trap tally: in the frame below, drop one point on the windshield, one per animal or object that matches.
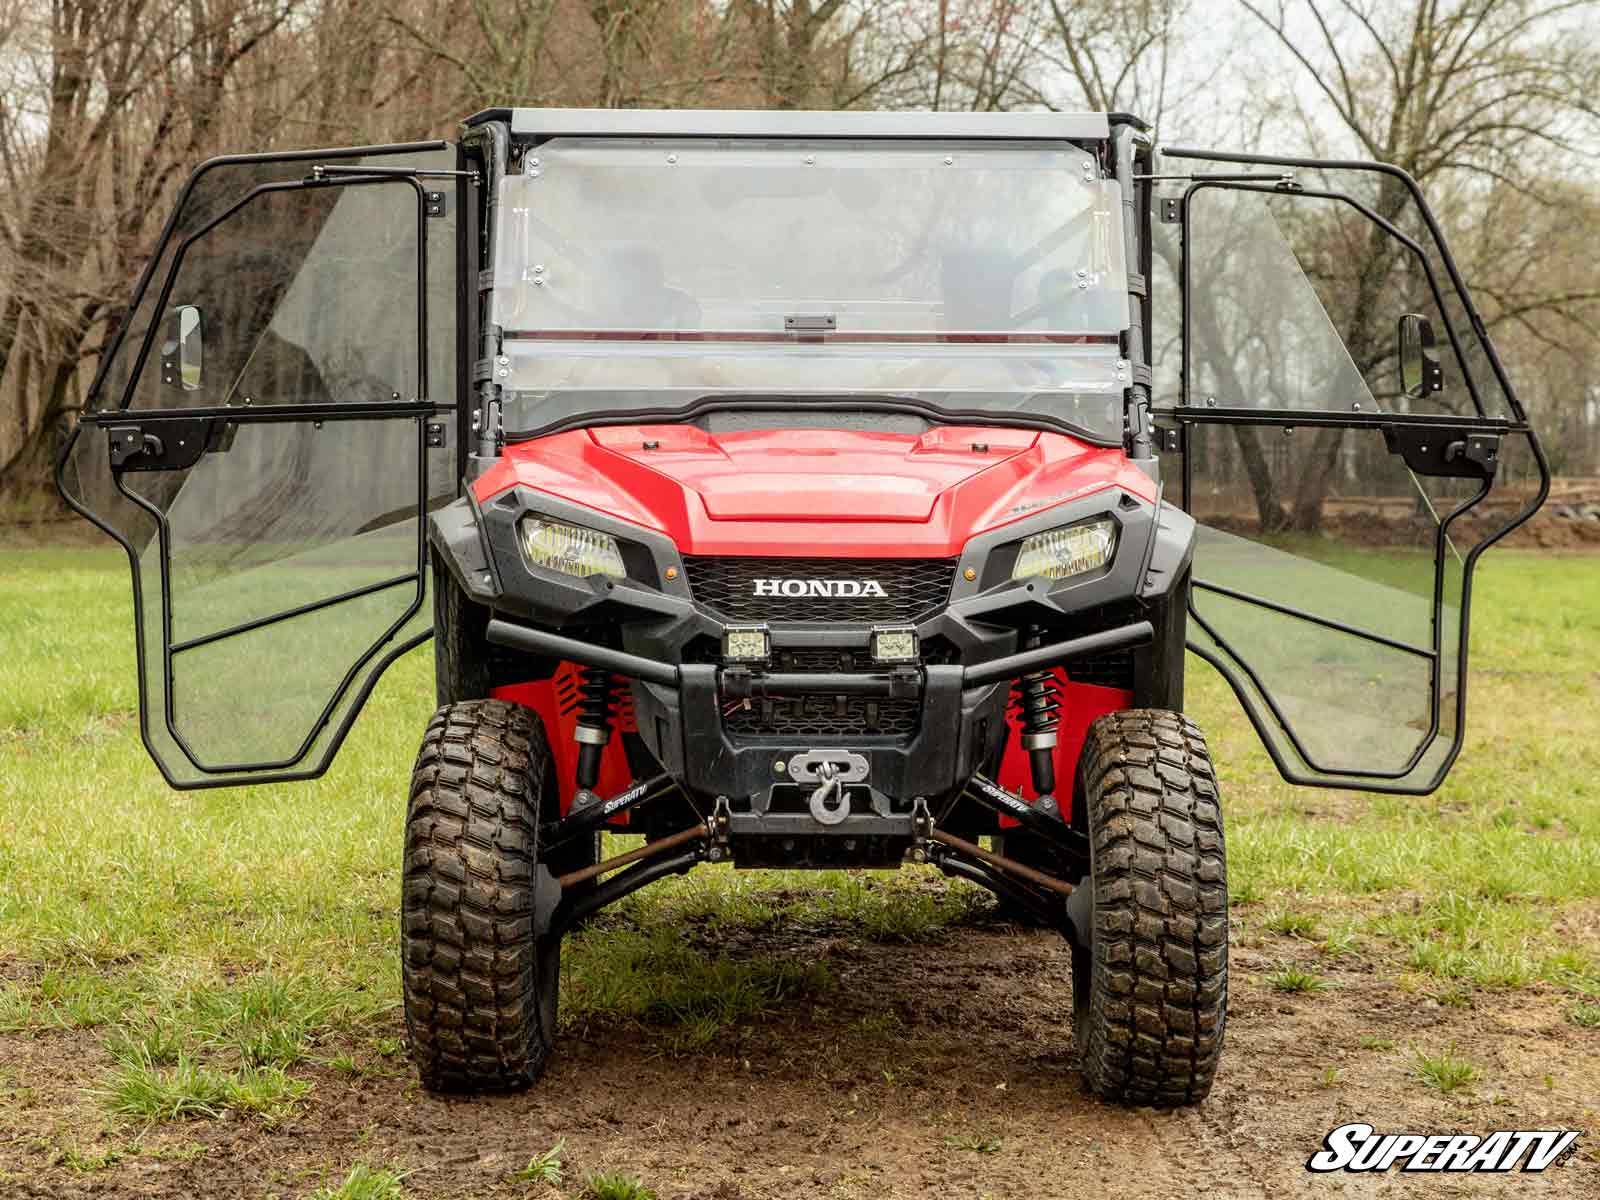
(635, 274)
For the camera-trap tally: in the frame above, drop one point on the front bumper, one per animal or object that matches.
(954, 700)
(651, 629)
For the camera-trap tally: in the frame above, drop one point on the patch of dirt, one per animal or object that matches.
(884, 1088)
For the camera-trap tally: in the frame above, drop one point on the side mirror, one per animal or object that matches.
(1420, 372)
(182, 348)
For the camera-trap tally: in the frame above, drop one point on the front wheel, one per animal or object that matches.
(1150, 990)
(480, 985)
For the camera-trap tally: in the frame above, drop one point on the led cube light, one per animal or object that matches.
(571, 549)
(746, 643)
(896, 643)
(1063, 553)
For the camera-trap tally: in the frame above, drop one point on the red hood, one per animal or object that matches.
(814, 491)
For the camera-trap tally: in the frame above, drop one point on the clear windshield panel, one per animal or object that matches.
(555, 381)
(883, 237)
(252, 531)
(643, 274)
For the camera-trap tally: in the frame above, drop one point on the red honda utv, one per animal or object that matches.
(805, 490)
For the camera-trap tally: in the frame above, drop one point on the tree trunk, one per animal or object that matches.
(1269, 509)
(27, 479)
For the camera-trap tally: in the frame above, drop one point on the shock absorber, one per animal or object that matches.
(596, 704)
(1037, 702)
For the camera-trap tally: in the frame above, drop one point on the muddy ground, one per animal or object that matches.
(944, 1069)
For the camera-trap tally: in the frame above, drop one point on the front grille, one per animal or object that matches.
(823, 717)
(822, 658)
(911, 587)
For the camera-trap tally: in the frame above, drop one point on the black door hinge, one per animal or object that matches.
(1169, 439)
(435, 437)
(1172, 210)
(437, 205)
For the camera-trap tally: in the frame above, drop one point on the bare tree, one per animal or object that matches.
(1117, 53)
(1459, 95)
(130, 91)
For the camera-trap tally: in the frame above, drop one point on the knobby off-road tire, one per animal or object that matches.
(480, 988)
(1150, 993)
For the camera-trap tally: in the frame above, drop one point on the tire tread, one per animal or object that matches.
(1151, 1031)
(471, 965)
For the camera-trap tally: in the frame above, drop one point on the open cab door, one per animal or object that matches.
(264, 439)
(1342, 419)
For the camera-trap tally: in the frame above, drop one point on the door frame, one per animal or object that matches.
(135, 453)
(1408, 434)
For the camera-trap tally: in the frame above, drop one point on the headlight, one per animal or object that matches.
(571, 549)
(1063, 553)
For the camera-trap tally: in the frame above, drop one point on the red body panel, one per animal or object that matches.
(814, 491)
(1081, 703)
(830, 492)
(556, 701)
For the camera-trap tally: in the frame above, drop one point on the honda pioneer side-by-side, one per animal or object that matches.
(805, 490)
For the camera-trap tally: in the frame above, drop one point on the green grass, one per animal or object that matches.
(1445, 1071)
(1473, 883)
(653, 977)
(225, 947)
(615, 1185)
(543, 1168)
(1295, 980)
(1339, 943)
(1292, 924)
(143, 1090)
(1586, 1016)
(364, 1183)
(82, 1162)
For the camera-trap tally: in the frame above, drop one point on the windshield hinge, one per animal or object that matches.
(810, 327)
